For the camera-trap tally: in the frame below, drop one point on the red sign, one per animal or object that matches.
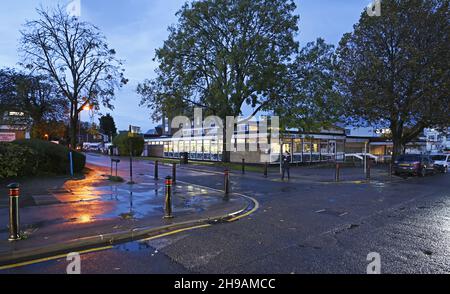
(7, 137)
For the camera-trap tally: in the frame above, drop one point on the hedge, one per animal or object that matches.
(122, 142)
(53, 158)
(17, 161)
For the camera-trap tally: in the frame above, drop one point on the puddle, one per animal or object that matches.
(137, 201)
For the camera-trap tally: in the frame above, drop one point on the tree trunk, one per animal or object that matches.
(397, 136)
(398, 148)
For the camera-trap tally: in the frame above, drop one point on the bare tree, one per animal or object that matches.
(76, 56)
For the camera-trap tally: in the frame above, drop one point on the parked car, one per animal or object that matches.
(442, 162)
(414, 164)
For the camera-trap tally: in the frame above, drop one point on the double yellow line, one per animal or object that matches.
(60, 256)
(25, 263)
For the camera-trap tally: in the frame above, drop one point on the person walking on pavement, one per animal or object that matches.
(286, 162)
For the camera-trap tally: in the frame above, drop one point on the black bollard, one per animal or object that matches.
(266, 168)
(227, 182)
(243, 166)
(174, 173)
(338, 172)
(168, 201)
(156, 170)
(391, 170)
(368, 169)
(14, 224)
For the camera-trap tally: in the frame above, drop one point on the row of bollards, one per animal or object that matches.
(171, 180)
(368, 171)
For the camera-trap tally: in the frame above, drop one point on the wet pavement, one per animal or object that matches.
(96, 206)
(302, 226)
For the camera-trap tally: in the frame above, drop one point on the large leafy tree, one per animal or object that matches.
(394, 69)
(313, 100)
(36, 96)
(108, 126)
(76, 56)
(223, 55)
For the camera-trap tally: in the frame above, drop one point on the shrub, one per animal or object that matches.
(122, 142)
(53, 158)
(16, 161)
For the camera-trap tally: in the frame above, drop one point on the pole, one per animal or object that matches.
(365, 157)
(368, 170)
(338, 172)
(131, 165)
(390, 170)
(111, 167)
(227, 183)
(266, 172)
(156, 176)
(14, 224)
(130, 145)
(243, 166)
(168, 201)
(281, 158)
(174, 173)
(71, 163)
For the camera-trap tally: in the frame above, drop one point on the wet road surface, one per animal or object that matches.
(300, 228)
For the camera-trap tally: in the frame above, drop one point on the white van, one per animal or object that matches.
(442, 162)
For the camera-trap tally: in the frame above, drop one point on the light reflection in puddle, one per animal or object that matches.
(88, 204)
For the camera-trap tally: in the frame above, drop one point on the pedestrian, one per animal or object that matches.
(286, 165)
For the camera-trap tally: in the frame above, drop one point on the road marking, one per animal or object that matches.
(174, 232)
(255, 208)
(40, 260)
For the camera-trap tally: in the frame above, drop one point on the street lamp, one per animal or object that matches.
(87, 107)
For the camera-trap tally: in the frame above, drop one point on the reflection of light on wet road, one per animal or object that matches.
(94, 199)
(84, 219)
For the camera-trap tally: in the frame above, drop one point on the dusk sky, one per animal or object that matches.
(135, 28)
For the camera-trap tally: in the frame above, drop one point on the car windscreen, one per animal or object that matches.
(439, 157)
(409, 158)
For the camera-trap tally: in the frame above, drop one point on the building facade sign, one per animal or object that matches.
(7, 137)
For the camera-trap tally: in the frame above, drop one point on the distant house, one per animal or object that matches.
(14, 126)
